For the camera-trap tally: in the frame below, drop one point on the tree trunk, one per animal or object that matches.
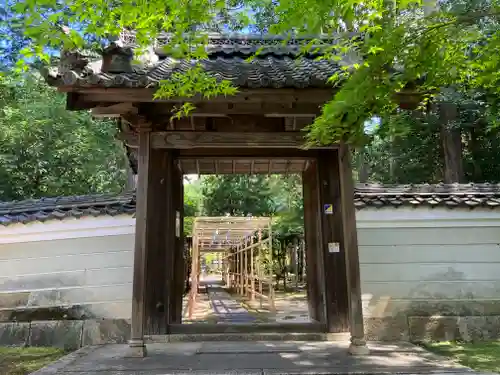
(473, 147)
(130, 180)
(392, 160)
(364, 167)
(451, 140)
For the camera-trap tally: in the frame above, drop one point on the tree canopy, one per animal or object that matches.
(46, 150)
(397, 46)
(428, 52)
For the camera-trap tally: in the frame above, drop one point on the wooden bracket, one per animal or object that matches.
(138, 122)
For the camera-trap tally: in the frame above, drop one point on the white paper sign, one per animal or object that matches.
(177, 224)
(333, 247)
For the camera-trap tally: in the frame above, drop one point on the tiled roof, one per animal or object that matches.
(375, 196)
(440, 195)
(63, 207)
(279, 64)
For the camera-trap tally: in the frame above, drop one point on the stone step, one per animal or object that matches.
(290, 336)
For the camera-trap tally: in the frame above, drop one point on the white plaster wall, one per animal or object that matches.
(408, 258)
(425, 260)
(73, 262)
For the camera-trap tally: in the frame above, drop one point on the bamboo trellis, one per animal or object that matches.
(242, 269)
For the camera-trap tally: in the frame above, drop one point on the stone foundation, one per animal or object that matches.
(433, 328)
(67, 334)
(73, 334)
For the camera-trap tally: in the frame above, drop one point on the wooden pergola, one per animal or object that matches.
(240, 239)
(257, 130)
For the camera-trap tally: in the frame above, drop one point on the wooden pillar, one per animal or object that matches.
(160, 243)
(252, 268)
(241, 286)
(234, 269)
(136, 343)
(350, 247)
(231, 268)
(154, 243)
(178, 270)
(194, 276)
(245, 269)
(313, 243)
(336, 299)
(227, 268)
(259, 271)
(303, 259)
(271, 276)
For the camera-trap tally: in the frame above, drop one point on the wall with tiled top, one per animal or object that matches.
(94, 273)
(420, 268)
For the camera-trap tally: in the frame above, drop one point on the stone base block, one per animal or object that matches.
(106, 331)
(358, 350)
(14, 334)
(136, 349)
(387, 329)
(66, 334)
(446, 328)
(72, 334)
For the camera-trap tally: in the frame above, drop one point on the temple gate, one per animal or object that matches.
(258, 130)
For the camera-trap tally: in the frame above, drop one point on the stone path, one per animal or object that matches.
(225, 307)
(253, 358)
(203, 312)
(215, 305)
(291, 307)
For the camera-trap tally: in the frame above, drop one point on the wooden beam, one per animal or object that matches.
(229, 227)
(114, 110)
(76, 102)
(218, 140)
(145, 95)
(221, 109)
(256, 154)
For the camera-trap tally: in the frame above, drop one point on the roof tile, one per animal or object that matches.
(367, 195)
(278, 64)
(268, 72)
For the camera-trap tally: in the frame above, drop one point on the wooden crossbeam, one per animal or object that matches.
(217, 140)
(146, 95)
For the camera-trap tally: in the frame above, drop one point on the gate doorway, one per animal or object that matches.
(326, 282)
(332, 264)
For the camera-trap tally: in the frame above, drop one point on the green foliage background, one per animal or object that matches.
(46, 150)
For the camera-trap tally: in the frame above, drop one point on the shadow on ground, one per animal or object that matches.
(256, 358)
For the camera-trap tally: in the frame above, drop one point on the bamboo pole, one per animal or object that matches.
(241, 254)
(237, 269)
(271, 281)
(252, 270)
(194, 277)
(245, 269)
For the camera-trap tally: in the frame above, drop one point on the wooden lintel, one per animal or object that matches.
(145, 95)
(246, 159)
(222, 109)
(114, 110)
(247, 153)
(218, 140)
